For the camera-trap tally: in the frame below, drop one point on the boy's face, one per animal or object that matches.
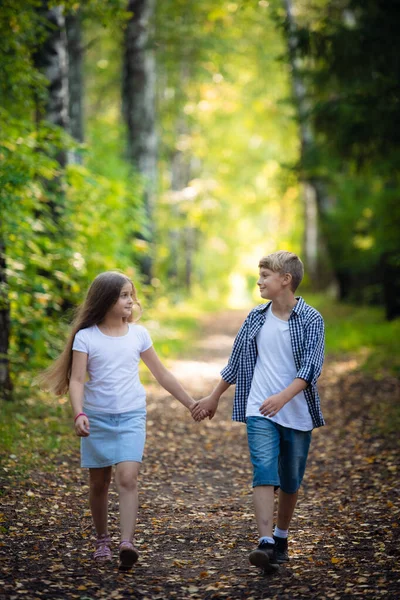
(270, 283)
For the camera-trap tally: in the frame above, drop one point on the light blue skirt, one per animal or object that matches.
(113, 438)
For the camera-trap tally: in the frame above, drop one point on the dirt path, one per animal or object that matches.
(196, 523)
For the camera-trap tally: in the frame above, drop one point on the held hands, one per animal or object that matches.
(272, 405)
(206, 407)
(82, 426)
(201, 413)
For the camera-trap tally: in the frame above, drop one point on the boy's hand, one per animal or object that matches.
(272, 405)
(201, 414)
(207, 405)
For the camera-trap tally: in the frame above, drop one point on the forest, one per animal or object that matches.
(180, 141)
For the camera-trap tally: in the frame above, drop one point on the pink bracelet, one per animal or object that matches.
(80, 415)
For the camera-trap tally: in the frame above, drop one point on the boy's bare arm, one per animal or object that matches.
(272, 405)
(210, 403)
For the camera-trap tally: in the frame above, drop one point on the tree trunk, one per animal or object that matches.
(313, 190)
(174, 232)
(75, 78)
(5, 380)
(190, 240)
(390, 267)
(51, 59)
(180, 177)
(138, 100)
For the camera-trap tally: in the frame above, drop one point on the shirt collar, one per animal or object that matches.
(297, 309)
(299, 306)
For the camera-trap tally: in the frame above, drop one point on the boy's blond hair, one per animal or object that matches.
(284, 262)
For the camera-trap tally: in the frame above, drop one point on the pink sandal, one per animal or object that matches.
(103, 552)
(128, 555)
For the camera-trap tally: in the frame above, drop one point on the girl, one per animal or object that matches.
(110, 408)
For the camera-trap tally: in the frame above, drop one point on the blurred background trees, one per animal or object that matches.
(180, 141)
(350, 69)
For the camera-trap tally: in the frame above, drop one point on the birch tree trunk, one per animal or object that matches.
(311, 189)
(75, 78)
(180, 177)
(5, 379)
(138, 103)
(51, 59)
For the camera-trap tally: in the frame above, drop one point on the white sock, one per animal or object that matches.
(282, 533)
(265, 538)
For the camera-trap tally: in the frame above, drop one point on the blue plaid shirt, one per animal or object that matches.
(306, 327)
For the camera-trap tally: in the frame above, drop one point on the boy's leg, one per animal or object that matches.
(99, 482)
(263, 439)
(286, 506)
(292, 464)
(263, 499)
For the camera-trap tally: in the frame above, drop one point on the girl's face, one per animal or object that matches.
(124, 305)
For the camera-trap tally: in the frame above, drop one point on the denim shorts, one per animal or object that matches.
(113, 438)
(278, 454)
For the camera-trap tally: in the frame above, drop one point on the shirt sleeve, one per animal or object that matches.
(146, 341)
(229, 373)
(80, 342)
(313, 357)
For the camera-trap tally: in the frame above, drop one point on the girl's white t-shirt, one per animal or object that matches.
(113, 366)
(274, 371)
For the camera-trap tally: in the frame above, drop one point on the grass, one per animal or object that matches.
(362, 331)
(35, 431)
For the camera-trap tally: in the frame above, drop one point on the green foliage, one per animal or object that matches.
(361, 333)
(59, 227)
(20, 32)
(74, 248)
(351, 75)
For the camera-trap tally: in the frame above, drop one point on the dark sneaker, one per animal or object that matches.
(264, 557)
(281, 549)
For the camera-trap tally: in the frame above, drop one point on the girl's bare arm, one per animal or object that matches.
(165, 378)
(76, 387)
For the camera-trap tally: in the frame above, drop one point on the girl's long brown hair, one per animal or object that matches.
(102, 295)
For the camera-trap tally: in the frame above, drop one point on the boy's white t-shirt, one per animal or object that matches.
(274, 371)
(113, 367)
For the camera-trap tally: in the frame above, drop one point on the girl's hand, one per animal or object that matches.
(200, 413)
(82, 426)
(205, 407)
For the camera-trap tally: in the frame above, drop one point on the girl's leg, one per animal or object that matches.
(99, 483)
(126, 476)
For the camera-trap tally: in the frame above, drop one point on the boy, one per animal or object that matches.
(275, 362)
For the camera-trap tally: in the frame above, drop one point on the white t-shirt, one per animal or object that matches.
(274, 371)
(113, 367)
